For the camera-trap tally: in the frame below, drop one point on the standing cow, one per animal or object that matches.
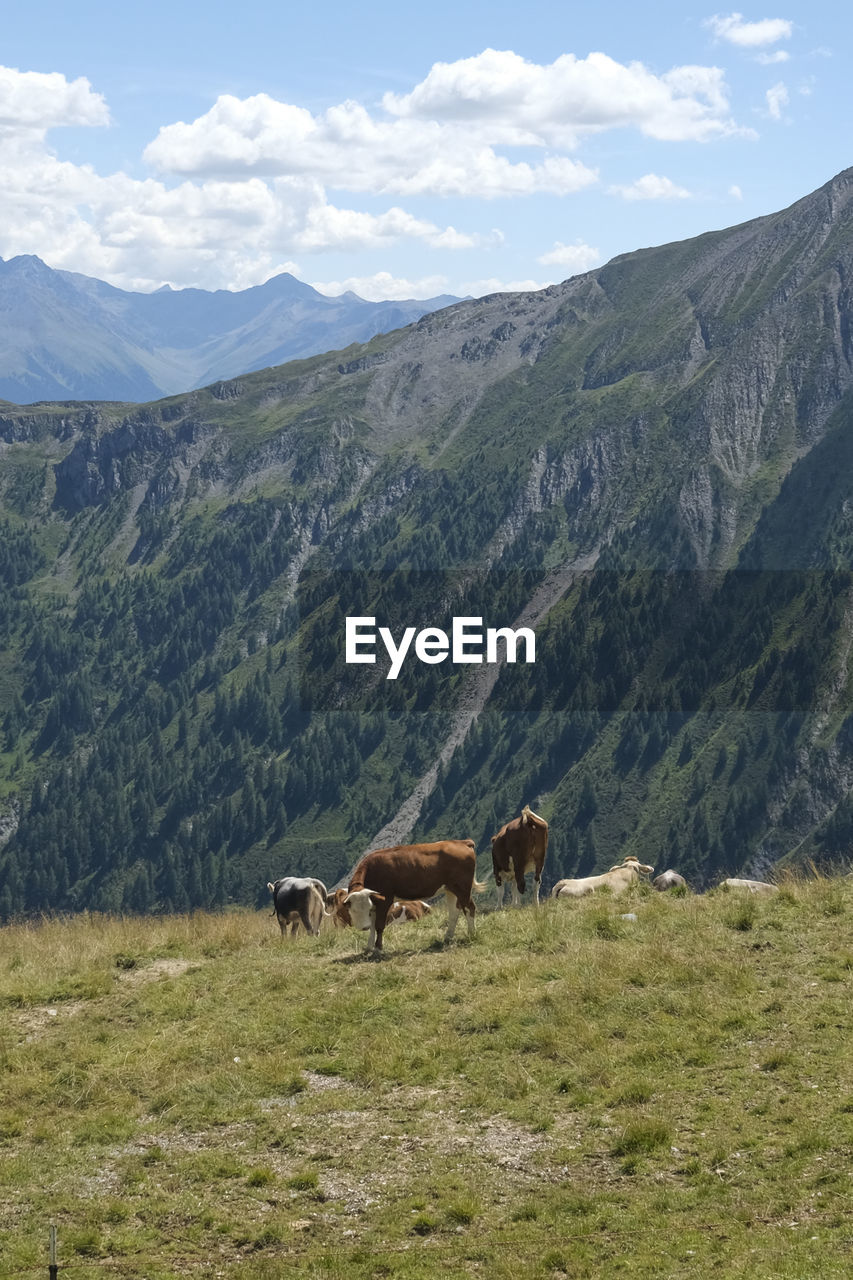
(519, 847)
(413, 871)
(299, 900)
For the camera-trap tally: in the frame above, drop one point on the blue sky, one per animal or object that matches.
(405, 151)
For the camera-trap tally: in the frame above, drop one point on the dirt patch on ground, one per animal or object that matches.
(32, 1023)
(367, 1146)
(165, 968)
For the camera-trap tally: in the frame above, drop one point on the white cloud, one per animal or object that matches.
(770, 59)
(479, 288)
(777, 98)
(651, 187)
(34, 100)
(327, 227)
(254, 182)
(215, 233)
(749, 35)
(382, 285)
(347, 147)
(522, 103)
(735, 192)
(443, 137)
(578, 257)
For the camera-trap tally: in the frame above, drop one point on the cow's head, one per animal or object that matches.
(362, 906)
(634, 864)
(336, 907)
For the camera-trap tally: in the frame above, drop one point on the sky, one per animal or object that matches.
(405, 151)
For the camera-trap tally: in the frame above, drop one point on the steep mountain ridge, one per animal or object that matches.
(659, 437)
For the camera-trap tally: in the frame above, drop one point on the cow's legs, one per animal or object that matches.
(305, 917)
(516, 895)
(500, 888)
(452, 914)
(378, 918)
(536, 891)
(456, 901)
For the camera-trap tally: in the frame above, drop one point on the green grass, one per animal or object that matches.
(568, 1094)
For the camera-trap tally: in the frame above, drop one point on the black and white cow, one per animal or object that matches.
(299, 900)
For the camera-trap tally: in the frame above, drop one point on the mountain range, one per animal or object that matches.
(650, 465)
(65, 336)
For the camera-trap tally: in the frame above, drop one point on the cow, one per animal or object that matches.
(336, 905)
(617, 880)
(403, 911)
(519, 847)
(298, 900)
(669, 880)
(413, 871)
(751, 886)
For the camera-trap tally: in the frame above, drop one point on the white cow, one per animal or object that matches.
(617, 880)
(751, 886)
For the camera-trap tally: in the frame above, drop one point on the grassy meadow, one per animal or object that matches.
(572, 1093)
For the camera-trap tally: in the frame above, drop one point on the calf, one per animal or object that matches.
(404, 911)
(336, 905)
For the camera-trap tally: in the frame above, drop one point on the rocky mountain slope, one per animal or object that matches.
(652, 462)
(68, 336)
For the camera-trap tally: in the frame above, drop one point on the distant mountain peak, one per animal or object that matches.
(64, 335)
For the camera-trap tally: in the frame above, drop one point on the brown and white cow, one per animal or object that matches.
(519, 847)
(617, 880)
(413, 871)
(336, 905)
(403, 911)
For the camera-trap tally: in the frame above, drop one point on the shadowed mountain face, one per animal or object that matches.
(65, 336)
(649, 464)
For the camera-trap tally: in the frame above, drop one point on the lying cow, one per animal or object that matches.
(336, 906)
(413, 871)
(751, 886)
(519, 847)
(403, 911)
(669, 880)
(617, 880)
(299, 900)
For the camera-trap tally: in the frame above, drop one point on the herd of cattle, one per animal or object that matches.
(391, 885)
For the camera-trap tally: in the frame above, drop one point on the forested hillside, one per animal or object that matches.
(655, 459)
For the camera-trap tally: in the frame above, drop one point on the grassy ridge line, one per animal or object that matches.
(575, 1092)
